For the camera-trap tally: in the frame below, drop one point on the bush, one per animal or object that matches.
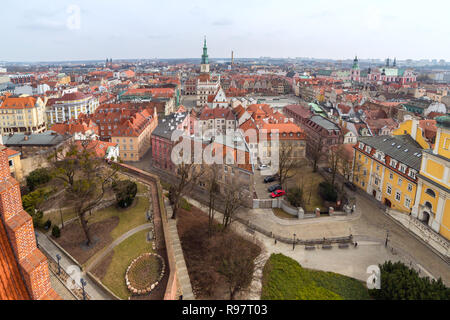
(37, 219)
(56, 232)
(295, 197)
(37, 178)
(399, 282)
(33, 200)
(328, 192)
(125, 191)
(47, 224)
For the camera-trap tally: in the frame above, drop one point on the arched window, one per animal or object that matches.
(430, 193)
(429, 205)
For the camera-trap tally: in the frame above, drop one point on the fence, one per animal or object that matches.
(171, 290)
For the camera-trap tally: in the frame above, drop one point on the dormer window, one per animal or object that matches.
(393, 163)
(402, 168)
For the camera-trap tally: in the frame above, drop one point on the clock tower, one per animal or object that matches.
(204, 68)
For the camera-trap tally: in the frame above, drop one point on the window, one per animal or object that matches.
(391, 176)
(402, 168)
(378, 167)
(398, 196)
(430, 193)
(412, 173)
(377, 181)
(407, 202)
(393, 163)
(389, 190)
(10, 163)
(400, 181)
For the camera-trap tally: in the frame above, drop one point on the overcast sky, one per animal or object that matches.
(44, 30)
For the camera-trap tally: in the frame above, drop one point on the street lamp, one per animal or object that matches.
(58, 257)
(37, 241)
(387, 238)
(83, 284)
(293, 243)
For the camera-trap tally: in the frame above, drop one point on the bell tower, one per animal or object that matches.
(204, 67)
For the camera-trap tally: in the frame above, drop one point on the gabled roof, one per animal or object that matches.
(401, 148)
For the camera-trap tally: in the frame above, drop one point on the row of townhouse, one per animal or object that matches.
(404, 176)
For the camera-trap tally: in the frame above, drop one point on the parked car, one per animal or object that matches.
(278, 193)
(350, 185)
(274, 188)
(263, 167)
(270, 179)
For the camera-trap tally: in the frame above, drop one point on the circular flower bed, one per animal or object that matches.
(144, 273)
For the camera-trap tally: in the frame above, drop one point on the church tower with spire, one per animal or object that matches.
(356, 71)
(204, 67)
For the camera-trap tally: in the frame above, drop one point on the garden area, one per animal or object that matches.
(310, 190)
(308, 181)
(112, 269)
(285, 279)
(221, 266)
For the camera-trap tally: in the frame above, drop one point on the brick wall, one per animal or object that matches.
(19, 226)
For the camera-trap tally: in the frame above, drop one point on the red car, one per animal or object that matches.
(278, 193)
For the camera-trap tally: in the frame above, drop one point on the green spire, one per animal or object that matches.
(355, 63)
(205, 59)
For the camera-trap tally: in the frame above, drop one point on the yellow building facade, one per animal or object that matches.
(386, 167)
(432, 205)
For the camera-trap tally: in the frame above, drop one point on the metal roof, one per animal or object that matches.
(401, 148)
(48, 138)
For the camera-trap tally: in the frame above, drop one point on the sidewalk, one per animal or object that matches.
(66, 263)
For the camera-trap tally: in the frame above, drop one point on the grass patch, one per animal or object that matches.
(280, 213)
(285, 279)
(130, 218)
(308, 181)
(124, 253)
(184, 204)
(55, 216)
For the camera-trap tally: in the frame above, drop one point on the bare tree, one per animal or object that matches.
(213, 189)
(316, 153)
(333, 161)
(188, 175)
(86, 178)
(287, 163)
(234, 259)
(233, 199)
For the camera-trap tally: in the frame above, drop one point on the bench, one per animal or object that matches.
(327, 246)
(343, 245)
(310, 248)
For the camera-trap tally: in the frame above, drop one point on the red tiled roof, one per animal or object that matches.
(12, 286)
(19, 103)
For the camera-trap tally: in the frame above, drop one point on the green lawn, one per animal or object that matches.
(129, 218)
(55, 217)
(285, 279)
(124, 253)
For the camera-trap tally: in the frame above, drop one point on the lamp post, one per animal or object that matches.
(83, 284)
(58, 257)
(293, 243)
(37, 241)
(387, 238)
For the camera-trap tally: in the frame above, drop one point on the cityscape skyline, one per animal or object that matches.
(82, 30)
